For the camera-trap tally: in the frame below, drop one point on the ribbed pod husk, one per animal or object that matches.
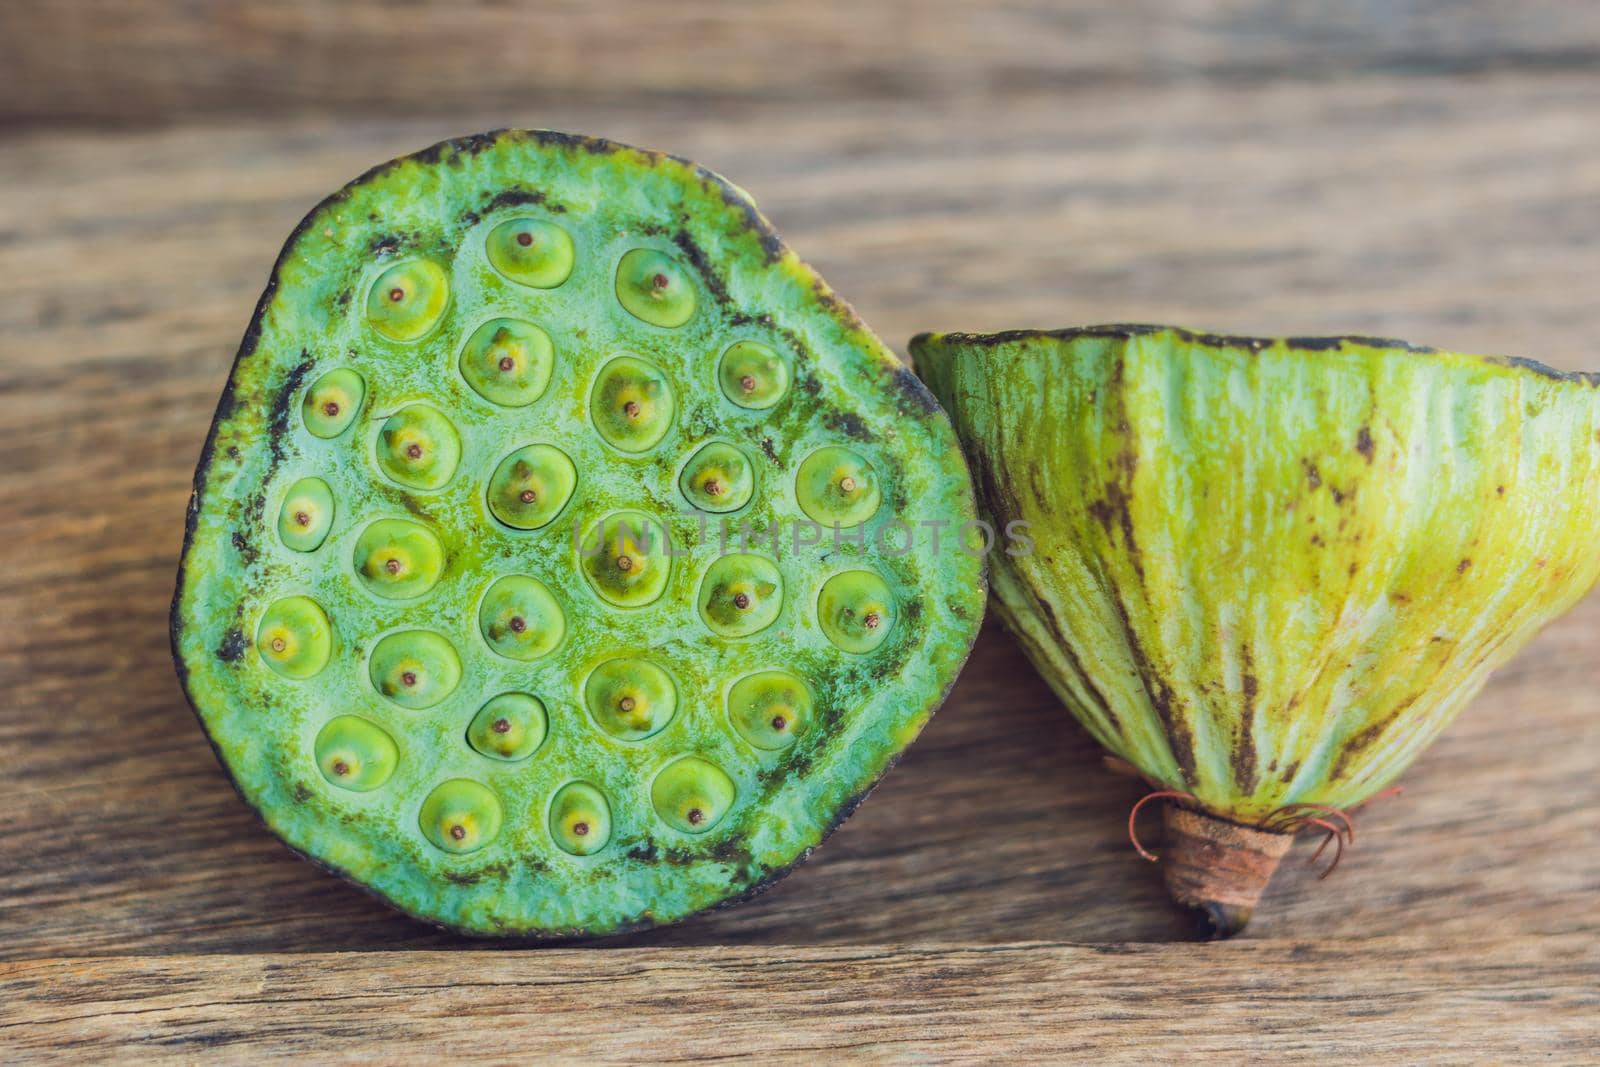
(1271, 572)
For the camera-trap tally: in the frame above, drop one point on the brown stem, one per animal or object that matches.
(1218, 869)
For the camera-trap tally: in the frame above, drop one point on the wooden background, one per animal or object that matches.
(1421, 169)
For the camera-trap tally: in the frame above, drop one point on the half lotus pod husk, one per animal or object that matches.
(512, 590)
(1267, 573)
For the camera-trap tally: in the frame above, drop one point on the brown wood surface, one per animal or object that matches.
(1450, 198)
(1389, 999)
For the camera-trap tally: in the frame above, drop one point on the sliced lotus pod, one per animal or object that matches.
(582, 427)
(1267, 573)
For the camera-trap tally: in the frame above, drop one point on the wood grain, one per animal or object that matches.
(1384, 1000)
(120, 61)
(1454, 208)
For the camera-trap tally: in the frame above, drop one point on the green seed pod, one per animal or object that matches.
(718, 478)
(415, 668)
(630, 699)
(398, 559)
(532, 252)
(333, 400)
(770, 709)
(407, 301)
(508, 488)
(508, 362)
(856, 610)
(355, 754)
(509, 727)
(580, 819)
(836, 485)
(306, 515)
(521, 619)
(295, 638)
(654, 287)
(418, 447)
(692, 795)
(460, 816)
(741, 594)
(531, 486)
(1268, 573)
(625, 557)
(632, 404)
(753, 375)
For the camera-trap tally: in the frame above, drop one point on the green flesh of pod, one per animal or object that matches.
(1270, 572)
(541, 775)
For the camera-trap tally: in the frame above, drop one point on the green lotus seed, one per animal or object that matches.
(753, 375)
(630, 698)
(398, 559)
(624, 557)
(460, 816)
(419, 447)
(508, 361)
(835, 485)
(512, 726)
(330, 405)
(520, 618)
(408, 299)
(692, 795)
(856, 610)
(306, 515)
(355, 754)
(654, 287)
(741, 594)
(718, 478)
(295, 638)
(631, 404)
(531, 252)
(415, 668)
(531, 486)
(770, 709)
(580, 819)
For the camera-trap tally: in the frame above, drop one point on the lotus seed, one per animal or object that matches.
(654, 288)
(530, 486)
(460, 816)
(630, 698)
(692, 795)
(580, 819)
(520, 618)
(632, 404)
(625, 558)
(770, 709)
(753, 375)
(856, 610)
(532, 252)
(295, 637)
(510, 727)
(508, 362)
(398, 559)
(355, 754)
(408, 300)
(836, 485)
(331, 403)
(415, 668)
(741, 594)
(419, 447)
(306, 515)
(718, 478)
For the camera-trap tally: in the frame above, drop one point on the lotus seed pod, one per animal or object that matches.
(520, 618)
(630, 699)
(626, 558)
(753, 375)
(837, 486)
(398, 559)
(532, 252)
(718, 478)
(857, 611)
(692, 795)
(580, 819)
(510, 727)
(306, 515)
(1267, 573)
(741, 595)
(770, 709)
(632, 404)
(508, 362)
(355, 754)
(460, 816)
(510, 585)
(416, 668)
(418, 447)
(407, 301)
(331, 404)
(531, 486)
(295, 638)
(655, 287)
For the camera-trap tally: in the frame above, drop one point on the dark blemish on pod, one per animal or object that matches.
(247, 551)
(302, 793)
(1313, 476)
(1364, 443)
(233, 646)
(1461, 568)
(278, 421)
(697, 259)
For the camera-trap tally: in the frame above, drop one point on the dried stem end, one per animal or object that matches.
(1217, 870)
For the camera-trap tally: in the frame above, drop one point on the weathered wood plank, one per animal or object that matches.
(143, 60)
(1390, 999)
(1452, 211)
